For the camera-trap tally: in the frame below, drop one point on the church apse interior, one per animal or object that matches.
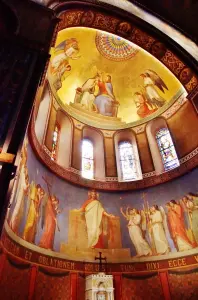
(104, 200)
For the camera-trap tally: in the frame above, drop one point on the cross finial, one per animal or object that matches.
(100, 258)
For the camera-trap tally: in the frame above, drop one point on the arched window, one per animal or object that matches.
(167, 149)
(127, 161)
(87, 159)
(55, 141)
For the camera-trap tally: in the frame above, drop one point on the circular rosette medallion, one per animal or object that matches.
(114, 47)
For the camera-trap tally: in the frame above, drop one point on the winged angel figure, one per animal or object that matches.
(159, 229)
(137, 226)
(152, 83)
(60, 62)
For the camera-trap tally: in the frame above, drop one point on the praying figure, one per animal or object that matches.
(135, 231)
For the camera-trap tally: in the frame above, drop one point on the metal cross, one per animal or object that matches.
(100, 258)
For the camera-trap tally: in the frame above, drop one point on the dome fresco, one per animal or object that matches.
(100, 77)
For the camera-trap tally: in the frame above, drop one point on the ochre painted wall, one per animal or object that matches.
(20, 280)
(110, 160)
(144, 153)
(50, 128)
(76, 151)
(183, 127)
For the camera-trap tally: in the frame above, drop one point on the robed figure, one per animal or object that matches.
(177, 227)
(36, 195)
(49, 222)
(94, 216)
(105, 99)
(87, 90)
(136, 232)
(159, 228)
(192, 205)
(152, 82)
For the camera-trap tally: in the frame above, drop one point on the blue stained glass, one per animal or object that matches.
(167, 149)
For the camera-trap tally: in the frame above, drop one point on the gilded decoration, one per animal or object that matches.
(103, 79)
(71, 18)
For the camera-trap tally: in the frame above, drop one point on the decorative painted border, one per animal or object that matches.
(137, 129)
(99, 18)
(188, 162)
(51, 260)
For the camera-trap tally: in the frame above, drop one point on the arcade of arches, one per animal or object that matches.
(108, 162)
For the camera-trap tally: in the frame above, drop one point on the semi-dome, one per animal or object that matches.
(108, 163)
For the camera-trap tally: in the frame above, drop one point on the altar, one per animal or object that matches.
(99, 287)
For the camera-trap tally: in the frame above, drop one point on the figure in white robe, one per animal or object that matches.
(88, 97)
(135, 232)
(159, 236)
(150, 81)
(17, 214)
(59, 63)
(94, 213)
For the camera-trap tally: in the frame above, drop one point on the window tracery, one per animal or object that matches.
(87, 159)
(167, 149)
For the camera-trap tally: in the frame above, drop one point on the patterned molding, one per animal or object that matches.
(175, 107)
(149, 174)
(188, 162)
(137, 129)
(129, 30)
(189, 156)
(145, 175)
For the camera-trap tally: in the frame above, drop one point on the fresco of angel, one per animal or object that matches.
(141, 104)
(190, 210)
(159, 228)
(136, 227)
(152, 83)
(177, 228)
(49, 222)
(63, 53)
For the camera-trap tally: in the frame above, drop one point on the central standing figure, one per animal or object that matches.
(94, 214)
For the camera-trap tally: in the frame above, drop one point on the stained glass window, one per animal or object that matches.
(167, 149)
(55, 139)
(127, 161)
(87, 159)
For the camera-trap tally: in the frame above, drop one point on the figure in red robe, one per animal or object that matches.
(177, 227)
(143, 108)
(50, 223)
